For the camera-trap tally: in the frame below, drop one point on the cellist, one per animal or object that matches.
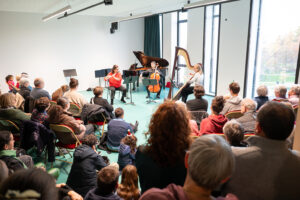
(154, 73)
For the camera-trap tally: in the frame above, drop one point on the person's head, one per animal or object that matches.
(153, 64)
(24, 82)
(42, 104)
(107, 180)
(9, 78)
(275, 121)
(3, 171)
(54, 114)
(248, 105)
(64, 103)
(119, 112)
(73, 83)
(39, 83)
(6, 140)
(198, 67)
(217, 105)
(234, 132)
(168, 129)
(115, 69)
(90, 140)
(30, 179)
(209, 162)
(98, 91)
(18, 78)
(199, 91)
(24, 75)
(132, 67)
(128, 189)
(65, 88)
(280, 91)
(262, 91)
(234, 88)
(130, 140)
(7, 100)
(295, 90)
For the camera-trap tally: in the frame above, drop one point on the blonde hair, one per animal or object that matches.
(7, 100)
(128, 189)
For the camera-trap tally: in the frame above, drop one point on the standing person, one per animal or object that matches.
(151, 71)
(129, 189)
(115, 83)
(72, 95)
(196, 79)
(38, 91)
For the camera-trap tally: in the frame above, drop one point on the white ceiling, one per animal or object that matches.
(120, 8)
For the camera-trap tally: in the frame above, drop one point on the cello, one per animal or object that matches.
(155, 88)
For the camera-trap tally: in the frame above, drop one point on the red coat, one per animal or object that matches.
(213, 124)
(113, 82)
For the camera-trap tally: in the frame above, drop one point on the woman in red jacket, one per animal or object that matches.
(215, 122)
(115, 83)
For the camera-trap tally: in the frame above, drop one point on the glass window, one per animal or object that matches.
(161, 34)
(182, 42)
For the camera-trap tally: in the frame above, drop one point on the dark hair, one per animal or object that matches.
(55, 113)
(113, 68)
(199, 91)
(234, 87)
(4, 139)
(119, 112)
(217, 104)
(42, 103)
(31, 179)
(107, 180)
(73, 83)
(130, 140)
(63, 102)
(276, 120)
(132, 67)
(8, 77)
(98, 90)
(90, 140)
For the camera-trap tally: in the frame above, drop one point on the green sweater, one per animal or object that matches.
(12, 154)
(14, 115)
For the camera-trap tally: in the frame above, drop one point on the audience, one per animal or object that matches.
(294, 94)
(234, 133)
(262, 98)
(72, 95)
(169, 131)
(38, 91)
(10, 82)
(24, 88)
(127, 151)
(214, 123)
(39, 113)
(107, 183)
(198, 103)
(280, 93)
(248, 120)
(98, 92)
(209, 163)
(129, 189)
(267, 169)
(3, 172)
(60, 92)
(233, 102)
(18, 78)
(83, 176)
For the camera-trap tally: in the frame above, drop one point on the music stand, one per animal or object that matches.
(68, 73)
(147, 82)
(101, 74)
(130, 77)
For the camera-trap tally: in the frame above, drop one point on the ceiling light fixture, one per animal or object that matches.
(59, 12)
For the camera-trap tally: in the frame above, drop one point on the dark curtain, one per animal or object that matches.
(152, 39)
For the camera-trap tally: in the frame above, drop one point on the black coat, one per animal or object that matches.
(83, 175)
(94, 113)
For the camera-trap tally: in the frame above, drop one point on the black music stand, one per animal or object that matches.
(130, 77)
(101, 74)
(147, 82)
(68, 73)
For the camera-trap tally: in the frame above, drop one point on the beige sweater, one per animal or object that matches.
(75, 97)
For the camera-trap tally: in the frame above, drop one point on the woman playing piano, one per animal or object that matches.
(115, 80)
(196, 79)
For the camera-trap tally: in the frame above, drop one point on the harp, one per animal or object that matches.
(179, 52)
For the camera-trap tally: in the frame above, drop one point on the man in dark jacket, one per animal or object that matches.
(83, 175)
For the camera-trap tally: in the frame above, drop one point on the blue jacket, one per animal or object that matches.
(125, 156)
(117, 129)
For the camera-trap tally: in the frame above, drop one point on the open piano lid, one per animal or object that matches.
(146, 60)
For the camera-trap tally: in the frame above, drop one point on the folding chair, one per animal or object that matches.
(234, 114)
(75, 109)
(99, 124)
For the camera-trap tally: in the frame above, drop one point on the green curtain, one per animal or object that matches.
(152, 37)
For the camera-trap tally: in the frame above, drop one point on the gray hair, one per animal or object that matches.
(210, 161)
(296, 90)
(262, 90)
(234, 132)
(23, 81)
(38, 82)
(281, 89)
(249, 104)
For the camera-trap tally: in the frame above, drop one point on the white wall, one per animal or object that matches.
(44, 49)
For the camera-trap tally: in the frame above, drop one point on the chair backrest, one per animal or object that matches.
(75, 109)
(7, 125)
(198, 116)
(64, 134)
(234, 114)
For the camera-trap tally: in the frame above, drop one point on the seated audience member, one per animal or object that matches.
(8, 110)
(234, 133)
(83, 175)
(59, 115)
(25, 75)
(267, 169)
(60, 92)
(129, 189)
(233, 102)
(214, 123)
(39, 113)
(209, 163)
(127, 151)
(24, 88)
(198, 103)
(72, 95)
(18, 78)
(107, 183)
(294, 94)
(38, 91)
(117, 129)
(280, 93)
(3, 171)
(262, 98)
(9, 155)
(161, 161)
(248, 120)
(10, 82)
(98, 92)
(19, 101)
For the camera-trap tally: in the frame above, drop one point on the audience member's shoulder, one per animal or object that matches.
(171, 192)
